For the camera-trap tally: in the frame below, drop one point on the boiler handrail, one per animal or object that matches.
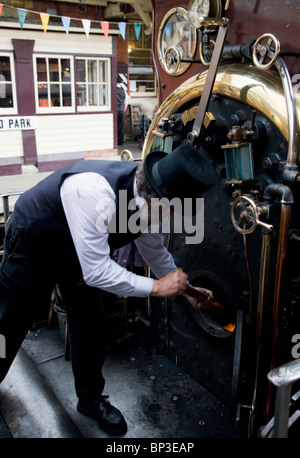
(5, 201)
(283, 377)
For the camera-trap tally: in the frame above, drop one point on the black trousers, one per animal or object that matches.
(121, 118)
(26, 283)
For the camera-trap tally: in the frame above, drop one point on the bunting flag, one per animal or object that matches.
(86, 25)
(105, 27)
(122, 27)
(45, 19)
(137, 29)
(66, 23)
(22, 16)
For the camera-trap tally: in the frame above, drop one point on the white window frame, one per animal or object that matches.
(14, 109)
(93, 108)
(61, 109)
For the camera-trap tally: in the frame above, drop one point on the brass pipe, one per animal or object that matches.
(213, 21)
(261, 300)
(202, 58)
(263, 285)
(281, 255)
(292, 120)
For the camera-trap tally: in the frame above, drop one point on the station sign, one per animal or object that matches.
(18, 122)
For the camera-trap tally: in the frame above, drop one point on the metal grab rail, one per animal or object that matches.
(283, 378)
(5, 201)
(6, 211)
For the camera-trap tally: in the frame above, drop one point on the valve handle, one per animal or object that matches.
(263, 50)
(172, 60)
(244, 216)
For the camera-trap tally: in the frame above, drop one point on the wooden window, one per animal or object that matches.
(54, 84)
(93, 86)
(8, 103)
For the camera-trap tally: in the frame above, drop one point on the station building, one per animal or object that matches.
(58, 86)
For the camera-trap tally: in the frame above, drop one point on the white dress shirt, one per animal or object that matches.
(88, 202)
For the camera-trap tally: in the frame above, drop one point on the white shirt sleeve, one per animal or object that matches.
(152, 249)
(89, 204)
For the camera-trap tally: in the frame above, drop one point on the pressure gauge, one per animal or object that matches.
(203, 8)
(176, 32)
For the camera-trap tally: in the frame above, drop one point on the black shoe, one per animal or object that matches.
(108, 417)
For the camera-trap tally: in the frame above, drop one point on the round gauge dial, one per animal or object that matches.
(176, 32)
(203, 8)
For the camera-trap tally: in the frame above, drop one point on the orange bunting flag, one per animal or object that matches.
(45, 19)
(105, 27)
(1, 6)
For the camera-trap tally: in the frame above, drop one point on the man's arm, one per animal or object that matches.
(152, 249)
(88, 202)
(157, 257)
(171, 285)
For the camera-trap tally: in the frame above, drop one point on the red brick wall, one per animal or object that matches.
(72, 10)
(122, 50)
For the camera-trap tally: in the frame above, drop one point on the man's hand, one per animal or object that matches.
(196, 302)
(172, 284)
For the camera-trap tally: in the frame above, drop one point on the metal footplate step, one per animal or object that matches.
(29, 407)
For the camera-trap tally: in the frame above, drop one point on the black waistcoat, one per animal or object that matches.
(40, 215)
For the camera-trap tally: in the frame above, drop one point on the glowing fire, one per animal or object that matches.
(229, 327)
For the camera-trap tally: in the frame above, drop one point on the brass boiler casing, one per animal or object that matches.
(260, 89)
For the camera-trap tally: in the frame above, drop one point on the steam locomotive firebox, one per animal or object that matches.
(242, 111)
(248, 153)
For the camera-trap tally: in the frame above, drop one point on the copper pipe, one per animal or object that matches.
(249, 277)
(261, 300)
(287, 200)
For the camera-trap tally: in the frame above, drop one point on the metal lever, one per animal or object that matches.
(210, 80)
